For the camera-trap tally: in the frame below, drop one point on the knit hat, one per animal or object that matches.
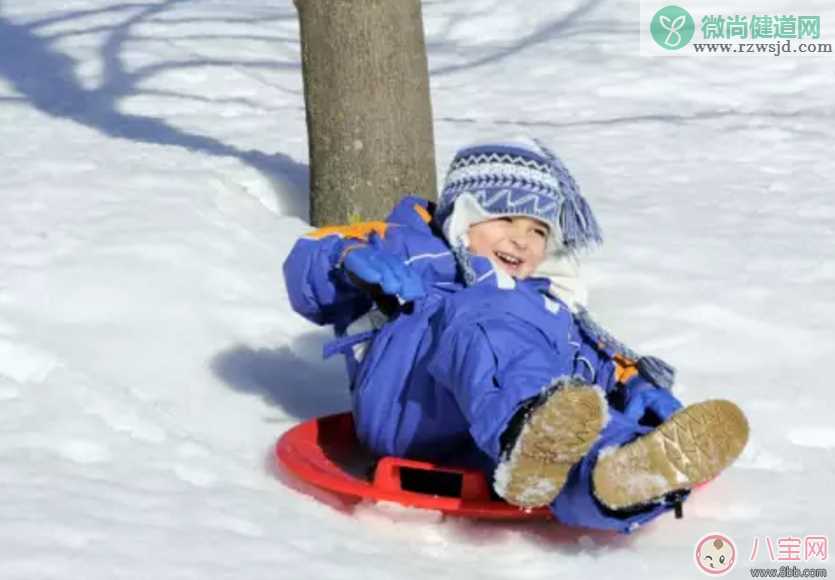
(524, 179)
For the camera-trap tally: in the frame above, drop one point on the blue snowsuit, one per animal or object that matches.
(442, 378)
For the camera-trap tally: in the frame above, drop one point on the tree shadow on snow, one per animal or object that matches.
(547, 31)
(297, 379)
(47, 79)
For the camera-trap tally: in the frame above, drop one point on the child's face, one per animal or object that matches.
(516, 244)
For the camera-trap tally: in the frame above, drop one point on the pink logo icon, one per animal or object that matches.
(715, 554)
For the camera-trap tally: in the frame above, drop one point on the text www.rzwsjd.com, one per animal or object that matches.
(774, 48)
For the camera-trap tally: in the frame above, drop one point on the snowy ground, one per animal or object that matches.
(153, 170)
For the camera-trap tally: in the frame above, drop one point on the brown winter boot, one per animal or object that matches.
(554, 436)
(691, 447)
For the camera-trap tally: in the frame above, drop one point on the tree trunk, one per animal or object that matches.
(369, 117)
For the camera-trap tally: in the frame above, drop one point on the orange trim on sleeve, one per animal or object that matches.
(359, 231)
(421, 211)
(625, 368)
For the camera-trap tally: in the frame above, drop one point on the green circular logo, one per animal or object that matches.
(672, 27)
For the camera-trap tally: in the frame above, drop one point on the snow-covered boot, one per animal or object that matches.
(544, 441)
(689, 448)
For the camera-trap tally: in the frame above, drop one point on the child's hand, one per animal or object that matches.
(649, 397)
(376, 266)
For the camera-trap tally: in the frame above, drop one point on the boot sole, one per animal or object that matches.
(691, 447)
(556, 436)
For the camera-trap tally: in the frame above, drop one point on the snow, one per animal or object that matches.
(153, 172)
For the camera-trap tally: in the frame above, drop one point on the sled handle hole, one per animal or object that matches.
(395, 474)
(443, 483)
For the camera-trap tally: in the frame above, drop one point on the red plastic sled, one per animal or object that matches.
(325, 452)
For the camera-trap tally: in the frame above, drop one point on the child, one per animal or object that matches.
(467, 341)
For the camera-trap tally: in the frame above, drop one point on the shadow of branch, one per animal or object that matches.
(47, 79)
(542, 34)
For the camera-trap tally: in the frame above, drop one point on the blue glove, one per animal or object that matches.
(375, 265)
(645, 397)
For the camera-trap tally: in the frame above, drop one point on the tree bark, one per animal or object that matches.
(369, 116)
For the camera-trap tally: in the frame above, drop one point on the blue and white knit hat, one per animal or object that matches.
(521, 179)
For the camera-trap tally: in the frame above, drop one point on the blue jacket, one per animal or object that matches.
(459, 362)
(441, 378)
